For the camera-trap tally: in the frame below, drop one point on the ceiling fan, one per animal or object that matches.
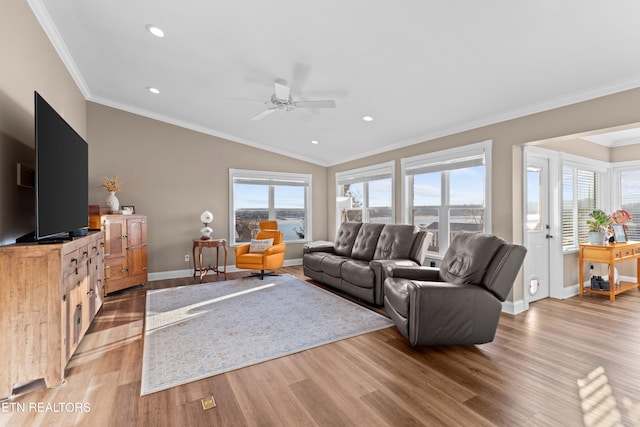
(281, 100)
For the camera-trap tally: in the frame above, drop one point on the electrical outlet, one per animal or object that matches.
(186, 258)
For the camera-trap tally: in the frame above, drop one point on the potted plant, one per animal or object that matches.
(598, 226)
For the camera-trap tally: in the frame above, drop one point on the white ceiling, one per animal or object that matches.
(422, 69)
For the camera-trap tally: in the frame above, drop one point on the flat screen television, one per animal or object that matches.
(61, 177)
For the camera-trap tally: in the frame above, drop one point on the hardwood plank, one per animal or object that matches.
(526, 376)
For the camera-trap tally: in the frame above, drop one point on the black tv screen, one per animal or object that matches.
(62, 175)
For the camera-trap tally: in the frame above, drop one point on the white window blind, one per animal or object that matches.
(580, 196)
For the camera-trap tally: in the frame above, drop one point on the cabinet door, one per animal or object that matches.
(115, 237)
(137, 246)
(115, 249)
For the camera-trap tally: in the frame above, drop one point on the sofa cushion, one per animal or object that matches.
(365, 245)
(395, 241)
(331, 264)
(358, 273)
(313, 260)
(468, 256)
(345, 238)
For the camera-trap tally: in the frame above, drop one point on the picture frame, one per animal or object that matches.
(129, 208)
(619, 233)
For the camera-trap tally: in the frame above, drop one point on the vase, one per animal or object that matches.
(597, 237)
(112, 202)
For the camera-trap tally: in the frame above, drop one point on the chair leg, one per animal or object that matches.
(262, 274)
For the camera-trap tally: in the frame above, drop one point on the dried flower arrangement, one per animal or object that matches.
(111, 184)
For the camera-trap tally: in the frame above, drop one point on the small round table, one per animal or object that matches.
(197, 262)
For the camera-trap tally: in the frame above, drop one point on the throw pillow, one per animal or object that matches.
(259, 246)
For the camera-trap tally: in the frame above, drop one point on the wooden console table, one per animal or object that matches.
(197, 262)
(610, 254)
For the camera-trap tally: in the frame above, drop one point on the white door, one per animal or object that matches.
(537, 262)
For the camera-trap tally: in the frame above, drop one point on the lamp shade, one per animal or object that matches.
(206, 217)
(344, 202)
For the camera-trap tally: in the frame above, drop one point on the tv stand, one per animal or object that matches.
(49, 295)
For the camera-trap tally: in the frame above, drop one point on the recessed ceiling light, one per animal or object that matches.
(153, 90)
(315, 142)
(367, 118)
(155, 30)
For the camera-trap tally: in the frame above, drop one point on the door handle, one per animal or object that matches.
(548, 236)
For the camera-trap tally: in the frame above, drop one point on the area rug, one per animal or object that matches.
(194, 332)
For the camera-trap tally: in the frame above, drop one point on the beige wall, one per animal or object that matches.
(173, 174)
(29, 63)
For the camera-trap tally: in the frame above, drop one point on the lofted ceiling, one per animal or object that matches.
(421, 69)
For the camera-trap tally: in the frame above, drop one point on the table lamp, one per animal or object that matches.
(206, 217)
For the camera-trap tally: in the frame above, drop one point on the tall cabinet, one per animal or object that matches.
(49, 295)
(125, 253)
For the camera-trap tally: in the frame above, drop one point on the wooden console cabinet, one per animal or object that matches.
(49, 295)
(125, 253)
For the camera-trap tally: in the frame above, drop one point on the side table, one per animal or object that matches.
(611, 254)
(197, 262)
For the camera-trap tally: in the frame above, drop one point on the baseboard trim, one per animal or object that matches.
(515, 307)
(178, 274)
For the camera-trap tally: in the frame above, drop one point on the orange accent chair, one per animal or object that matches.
(271, 258)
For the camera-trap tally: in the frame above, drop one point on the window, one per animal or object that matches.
(366, 194)
(581, 194)
(448, 191)
(629, 188)
(256, 196)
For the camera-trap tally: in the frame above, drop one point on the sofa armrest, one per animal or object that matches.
(318, 246)
(448, 313)
(430, 274)
(381, 268)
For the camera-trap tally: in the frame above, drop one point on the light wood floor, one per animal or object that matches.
(527, 376)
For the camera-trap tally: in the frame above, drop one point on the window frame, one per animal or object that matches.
(442, 158)
(366, 175)
(270, 179)
(616, 179)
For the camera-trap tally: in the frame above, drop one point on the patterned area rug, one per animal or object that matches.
(194, 332)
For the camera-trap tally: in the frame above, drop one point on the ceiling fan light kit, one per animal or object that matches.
(281, 100)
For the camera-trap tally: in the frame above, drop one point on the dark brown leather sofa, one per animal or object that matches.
(358, 261)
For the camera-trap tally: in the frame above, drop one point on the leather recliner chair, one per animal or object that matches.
(460, 302)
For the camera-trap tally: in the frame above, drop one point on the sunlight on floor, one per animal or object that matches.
(598, 405)
(177, 315)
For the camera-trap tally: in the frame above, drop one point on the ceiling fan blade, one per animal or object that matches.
(282, 91)
(316, 104)
(264, 114)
